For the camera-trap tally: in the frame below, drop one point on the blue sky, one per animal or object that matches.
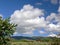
(8, 7)
(11, 5)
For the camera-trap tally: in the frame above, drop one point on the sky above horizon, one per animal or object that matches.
(33, 17)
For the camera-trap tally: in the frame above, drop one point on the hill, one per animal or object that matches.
(44, 39)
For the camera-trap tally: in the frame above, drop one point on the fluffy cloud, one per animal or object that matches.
(52, 35)
(51, 17)
(54, 18)
(53, 28)
(28, 19)
(54, 22)
(42, 32)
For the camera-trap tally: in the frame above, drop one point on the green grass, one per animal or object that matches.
(34, 43)
(29, 43)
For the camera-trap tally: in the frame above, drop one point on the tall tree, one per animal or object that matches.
(6, 30)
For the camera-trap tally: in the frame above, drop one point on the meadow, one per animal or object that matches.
(38, 41)
(35, 43)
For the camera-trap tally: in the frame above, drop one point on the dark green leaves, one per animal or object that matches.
(6, 30)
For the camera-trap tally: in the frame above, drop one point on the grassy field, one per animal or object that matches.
(34, 43)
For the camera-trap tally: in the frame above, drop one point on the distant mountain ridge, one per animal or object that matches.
(22, 37)
(32, 38)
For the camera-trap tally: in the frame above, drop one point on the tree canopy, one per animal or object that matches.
(6, 30)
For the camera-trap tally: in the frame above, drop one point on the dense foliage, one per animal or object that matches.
(6, 30)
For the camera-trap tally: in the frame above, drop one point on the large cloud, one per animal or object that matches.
(54, 22)
(29, 19)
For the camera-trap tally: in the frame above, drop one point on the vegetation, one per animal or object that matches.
(6, 30)
(37, 41)
(41, 39)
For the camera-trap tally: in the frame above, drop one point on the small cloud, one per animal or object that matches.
(59, 9)
(52, 35)
(15, 33)
(39, 3)
(1, 15)
(42, 32)
(30, 33)
(54, 1)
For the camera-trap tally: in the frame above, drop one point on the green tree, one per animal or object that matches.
(6, 30)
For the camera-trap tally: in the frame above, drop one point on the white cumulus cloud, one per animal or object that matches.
(42, 32)
(53, 28)
(53, 18)
(52, 35)
(28, 19)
